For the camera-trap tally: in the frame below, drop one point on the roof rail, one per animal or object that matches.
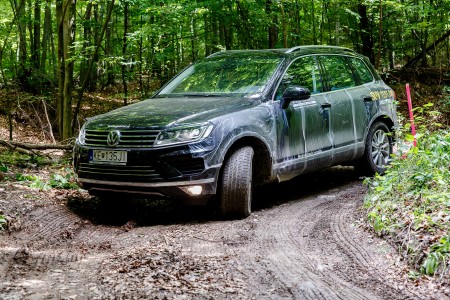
(298, 48)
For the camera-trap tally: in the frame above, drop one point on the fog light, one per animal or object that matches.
(193, 190)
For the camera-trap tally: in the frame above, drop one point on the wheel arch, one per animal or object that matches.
(262, 157)
(386, 120)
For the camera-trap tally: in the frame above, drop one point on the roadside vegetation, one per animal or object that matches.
(32, 172)
(410, 204)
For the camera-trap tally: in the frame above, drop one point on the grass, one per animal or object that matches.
(410, 204)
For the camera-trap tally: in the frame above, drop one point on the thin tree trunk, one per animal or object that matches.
(86, 37)
(97, 47)
(35, 54)
(365, 29)
(124, 51)
(284, 26)
(313, 17)
(418, 57)
(380, 36)
(61, 63)
(69, 13)
(19, 8)
(193, 38)
(273, 31)
(141, 41)
(46, 34)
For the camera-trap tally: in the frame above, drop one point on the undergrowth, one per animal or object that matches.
(410, 203)
(15, 166)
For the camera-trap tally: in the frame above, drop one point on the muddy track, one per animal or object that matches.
(303, 241)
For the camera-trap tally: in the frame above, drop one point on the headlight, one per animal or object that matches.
(82, 136)
(183, 135)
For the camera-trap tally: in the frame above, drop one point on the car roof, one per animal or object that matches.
(294, 51)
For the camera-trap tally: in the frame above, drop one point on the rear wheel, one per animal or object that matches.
(378, 150)
(237, 186)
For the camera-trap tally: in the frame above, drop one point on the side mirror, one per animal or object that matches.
(293, 93)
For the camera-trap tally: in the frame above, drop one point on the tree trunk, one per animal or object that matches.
(22, 72)
(273, 30)
(365, 29)
(45, 46)
(284, 25)
(68, 39)
(97, 47)
(313, 18)
(124, 51)
(380, 35)
(61, 63)
(193, 24)
(86, 41)
(36, 34)
(414, 60)
(93, 77)
(108, 52)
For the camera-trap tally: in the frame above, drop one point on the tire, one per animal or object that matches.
(237, 184)
(378, 150)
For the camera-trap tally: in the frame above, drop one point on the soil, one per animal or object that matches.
(304, 240)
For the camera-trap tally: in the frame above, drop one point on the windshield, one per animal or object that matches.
(224, 75)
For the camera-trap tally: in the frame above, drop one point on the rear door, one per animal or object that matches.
(340, 80)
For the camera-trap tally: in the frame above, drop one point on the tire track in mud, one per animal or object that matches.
(304, 248)
(310, 247)
(360, 259)
(300, 272)
(55, 254)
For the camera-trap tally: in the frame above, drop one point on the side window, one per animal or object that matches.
(365, 76)
(339, 73)
(302, 72)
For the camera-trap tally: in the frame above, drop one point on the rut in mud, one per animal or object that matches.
(303, 241)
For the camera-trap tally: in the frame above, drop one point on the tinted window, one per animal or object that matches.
(361, 70)
(302, 72)
(339, 74)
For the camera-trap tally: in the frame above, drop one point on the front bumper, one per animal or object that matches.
(176, 172)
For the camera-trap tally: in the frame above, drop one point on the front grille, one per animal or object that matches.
(128, 138)
(119, 173)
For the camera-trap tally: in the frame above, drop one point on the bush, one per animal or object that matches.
(410, 204)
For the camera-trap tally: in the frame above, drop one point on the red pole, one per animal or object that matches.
(411, 115)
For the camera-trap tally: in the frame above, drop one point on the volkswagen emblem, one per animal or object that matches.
(113, 138)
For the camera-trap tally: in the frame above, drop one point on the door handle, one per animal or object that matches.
(326, 105)
(367, 98)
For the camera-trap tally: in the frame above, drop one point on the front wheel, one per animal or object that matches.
(237, 186)
(378, 150)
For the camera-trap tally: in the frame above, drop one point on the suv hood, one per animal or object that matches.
(161, 112)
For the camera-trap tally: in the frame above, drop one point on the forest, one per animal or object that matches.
(59, 51)
(327, 234)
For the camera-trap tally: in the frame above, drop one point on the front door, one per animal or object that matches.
(303, 131)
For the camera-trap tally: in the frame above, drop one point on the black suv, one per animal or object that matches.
(242, 118)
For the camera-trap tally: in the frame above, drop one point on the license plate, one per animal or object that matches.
(112, 157)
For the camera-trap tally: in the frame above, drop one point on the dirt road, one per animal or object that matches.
(304, 241)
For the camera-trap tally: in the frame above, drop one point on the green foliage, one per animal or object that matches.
(13, 158)
(411, 201)
(56, 181)
(33, 181)
(3, 222)
(63, 181)
(163, 37)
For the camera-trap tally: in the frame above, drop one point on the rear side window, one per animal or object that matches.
(361, 70)
(303, 72)
(339, 73)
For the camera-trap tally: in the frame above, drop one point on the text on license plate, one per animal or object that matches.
(114, 157)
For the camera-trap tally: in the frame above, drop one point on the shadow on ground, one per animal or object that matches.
(119, 210)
